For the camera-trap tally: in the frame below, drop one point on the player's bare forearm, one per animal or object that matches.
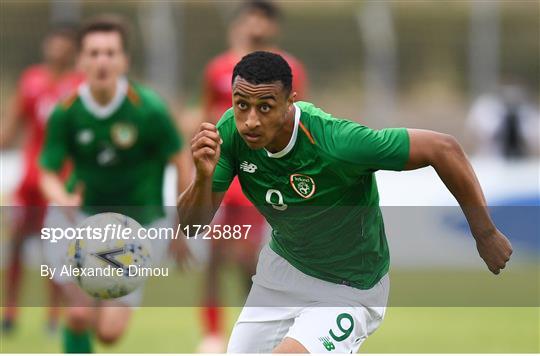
(195, 206)
(198, 204)
(445, 155)
(54, 191)
(178, 248)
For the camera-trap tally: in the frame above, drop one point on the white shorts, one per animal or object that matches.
(322, 316)
(56, 253)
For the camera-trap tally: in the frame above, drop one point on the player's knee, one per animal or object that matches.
(109, 333)
(112, 323)
(78, 318)
(108, 336)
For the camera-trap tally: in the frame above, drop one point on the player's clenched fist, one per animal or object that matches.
(205, 148)
(495, 250)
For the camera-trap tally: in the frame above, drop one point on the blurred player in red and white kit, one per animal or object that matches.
(39, 88)
(254, 28)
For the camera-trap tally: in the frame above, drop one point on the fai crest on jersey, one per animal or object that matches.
(124, 134)
(303, 185)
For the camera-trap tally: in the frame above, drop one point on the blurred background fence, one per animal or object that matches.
(386, 63)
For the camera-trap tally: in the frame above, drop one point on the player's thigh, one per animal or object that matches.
(264, 321)
(290, 346)
(257, 336)
(334, 329)
(112, 321)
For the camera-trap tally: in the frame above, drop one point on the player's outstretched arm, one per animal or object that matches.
(445, 155)
(198, 204)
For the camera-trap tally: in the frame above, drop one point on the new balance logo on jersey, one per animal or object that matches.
(327, 343)
(248, 167)
(85, 136)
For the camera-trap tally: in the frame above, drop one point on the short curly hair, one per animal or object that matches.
(262, 67)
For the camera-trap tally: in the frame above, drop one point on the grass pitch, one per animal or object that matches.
(404, 330)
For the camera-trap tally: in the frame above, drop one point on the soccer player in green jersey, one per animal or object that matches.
(119, 136)
(321, 284)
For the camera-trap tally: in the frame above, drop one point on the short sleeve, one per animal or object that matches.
(225, 172)
(372, 150)
(55, 148)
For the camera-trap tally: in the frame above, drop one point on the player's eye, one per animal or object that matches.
(265, 108)
(242, 106)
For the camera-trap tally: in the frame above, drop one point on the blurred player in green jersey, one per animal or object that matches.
(321, 284)
(120, 137)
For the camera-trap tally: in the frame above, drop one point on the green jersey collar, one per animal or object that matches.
(291, 143)
(99, 111)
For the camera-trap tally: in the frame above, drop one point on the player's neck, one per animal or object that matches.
(104, 96)
(57, 71)
(284, 136)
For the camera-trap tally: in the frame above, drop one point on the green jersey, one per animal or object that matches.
(119, 152)
(319, 193)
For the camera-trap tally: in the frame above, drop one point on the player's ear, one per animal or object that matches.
(291, 99)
